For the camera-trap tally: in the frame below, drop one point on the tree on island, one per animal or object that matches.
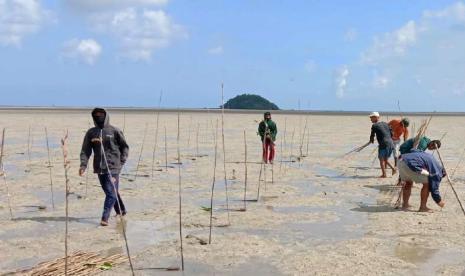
(250, 101)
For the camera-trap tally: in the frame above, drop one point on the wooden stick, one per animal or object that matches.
(302, 139)
(450, 183)
(197, 141)
(50, 167)
(180, 195)
(141, 151)
(124, 121)
(308, 140)
(29, 148)
(166, 151)
(87, 171)
(189, 132)
(64, 147)
(224, 152)
(213, 182)
(259, 181)
(3, 173)
(292, 144)
(245, 171)
(283, 143)
(156, 136)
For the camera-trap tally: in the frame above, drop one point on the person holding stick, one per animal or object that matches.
(421, 167)
(267, 130)
(110, 153)
(399, 128)
(385, 143)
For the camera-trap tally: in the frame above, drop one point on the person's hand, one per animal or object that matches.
(441, 203)
(81, 171)
(424, 172)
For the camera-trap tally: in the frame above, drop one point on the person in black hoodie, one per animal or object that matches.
(110, 153)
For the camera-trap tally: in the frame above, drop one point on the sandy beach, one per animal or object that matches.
(318, 212)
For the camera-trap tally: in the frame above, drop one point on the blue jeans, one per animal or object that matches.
(110, 198)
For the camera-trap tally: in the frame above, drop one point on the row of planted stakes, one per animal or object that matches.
(82, 263)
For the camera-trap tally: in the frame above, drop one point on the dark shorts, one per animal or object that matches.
(385, 153)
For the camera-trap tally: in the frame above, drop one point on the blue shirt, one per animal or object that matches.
(417, 161)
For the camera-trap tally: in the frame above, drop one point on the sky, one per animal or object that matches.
(319, 55)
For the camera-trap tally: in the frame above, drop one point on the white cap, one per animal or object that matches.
(374, 114)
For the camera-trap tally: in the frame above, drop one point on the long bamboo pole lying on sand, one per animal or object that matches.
(50, 167)
(3, 173)
(224, 152)
(213, 183)
(64, 146)
(450, 183)
(180, 193)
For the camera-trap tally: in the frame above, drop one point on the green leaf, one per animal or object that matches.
(106, 266)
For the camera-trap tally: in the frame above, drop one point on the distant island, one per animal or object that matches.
(250, 101)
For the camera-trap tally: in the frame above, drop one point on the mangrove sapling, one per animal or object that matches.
(156, 135)
(49, 167)
(213, 182)
(245, 171)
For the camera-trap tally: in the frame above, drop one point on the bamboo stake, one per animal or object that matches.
(3, 173)
(115, 193)
(87, 171)
(450, 183)
(259, 181)
(245, 171)
(308, 140)
(156, 135)
(213, 182)
(224, 151)
(29, 149)
(283, 143)
(189, 133)
(64, 147)
(141, 151)
(166, 151)
(302, 139)
(50, 167)
(124, 121)
(197, 141)
(292, 144)
(180, 196)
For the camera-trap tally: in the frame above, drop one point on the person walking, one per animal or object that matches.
(267, 130)
(385, 144)
(110, 154)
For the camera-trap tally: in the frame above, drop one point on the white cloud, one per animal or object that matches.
(87, 50)
(341, 80)
(216, 50)
(455, 11)
(310, 66)
(19, 18)
(392, 44)
(351, 35)
(105, 5)
(139, 32)
(380, 81)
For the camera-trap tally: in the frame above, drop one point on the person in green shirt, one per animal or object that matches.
(424, 144)
(267, 130)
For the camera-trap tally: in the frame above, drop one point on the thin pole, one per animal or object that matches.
(213, 183)
(302, 139)
(245, 171)
(87, 171)
(64, 147)
(197, 141)
(224, 151)
(156, 136)
(29, 148)
(124, 121)
(259, 180)
(180, 196)
(50, 167)
(283, 143)
(2, 153)
(115, 191)
(450, 183)
(166, 151)
(189, 132)
(308, 140)
(141, 151)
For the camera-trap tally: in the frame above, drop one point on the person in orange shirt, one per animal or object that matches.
(399, 128)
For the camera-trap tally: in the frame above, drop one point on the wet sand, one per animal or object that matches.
(319, 214)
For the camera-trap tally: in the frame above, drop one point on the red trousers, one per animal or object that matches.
(268, 150)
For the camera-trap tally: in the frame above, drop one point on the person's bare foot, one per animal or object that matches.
(382, 176)
(104, 223)
(394, 171)
(426, 210)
